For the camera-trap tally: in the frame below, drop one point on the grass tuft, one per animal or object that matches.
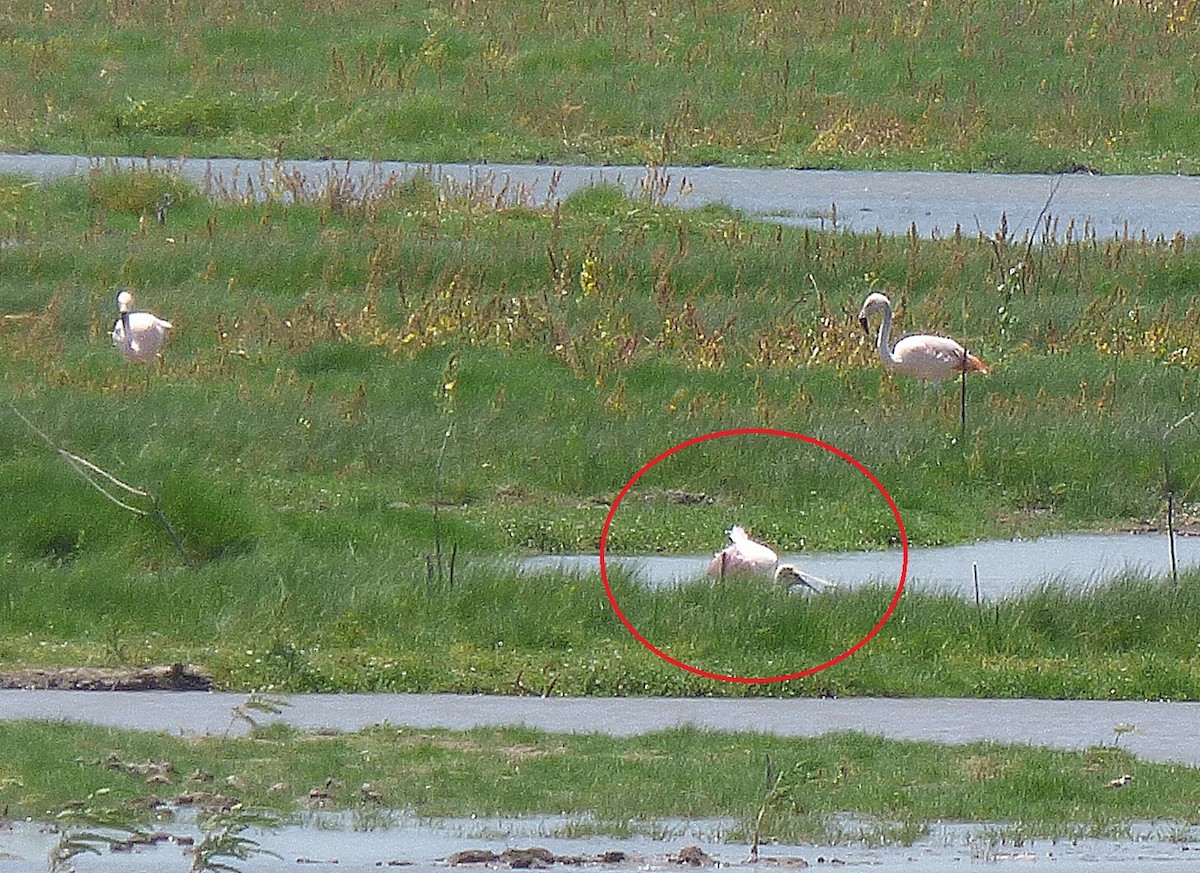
(212, 519)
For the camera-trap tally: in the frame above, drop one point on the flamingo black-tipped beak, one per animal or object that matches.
(862, 319)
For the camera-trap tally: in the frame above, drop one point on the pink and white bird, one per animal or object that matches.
(742, 555)
(745, 556)
(923, 356)
(139, 335)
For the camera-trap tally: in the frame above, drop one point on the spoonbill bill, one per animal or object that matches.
(925, 357)
(139, 335)
(744, 555)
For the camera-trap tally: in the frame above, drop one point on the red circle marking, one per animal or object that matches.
(753, 679)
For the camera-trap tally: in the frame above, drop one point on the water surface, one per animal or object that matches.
(934, 204)
(334, 845)
(1162, 731)
(1004, 567)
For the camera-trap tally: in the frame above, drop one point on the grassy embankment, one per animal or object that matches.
(598, 784)
(322, 350)
(993, 86)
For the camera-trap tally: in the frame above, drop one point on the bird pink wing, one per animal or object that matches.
(742, 555)
(719, 560)
(933, 358)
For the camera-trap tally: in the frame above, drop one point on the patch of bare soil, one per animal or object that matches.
(169, 677)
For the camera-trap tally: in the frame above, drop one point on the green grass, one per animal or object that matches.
(605, 784)
(293, 438)
(993, 87)
(323, 627)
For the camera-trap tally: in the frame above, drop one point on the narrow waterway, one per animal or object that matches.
(893, 203)
(1003, 567)
(1161, 731)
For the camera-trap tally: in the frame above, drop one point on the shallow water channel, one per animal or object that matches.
(1161, 731)
(894, 203)
(337, 844)
(1004, 567)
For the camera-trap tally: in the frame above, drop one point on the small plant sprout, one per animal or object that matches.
(86, 837)
(1120, 731)
(224, 841)
(73, 843)
(256, 701)
(1170, 486)
(778, 797)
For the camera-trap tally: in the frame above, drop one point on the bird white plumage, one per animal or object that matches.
(926, 357)
(139, 335)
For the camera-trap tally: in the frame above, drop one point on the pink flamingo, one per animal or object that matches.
(923, 356)
(744, 555)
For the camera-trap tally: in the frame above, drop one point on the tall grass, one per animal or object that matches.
(323, 347)
(341, 621)
(305, 331)
(1033, 87)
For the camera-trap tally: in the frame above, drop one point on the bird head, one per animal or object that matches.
(124, 301)
(875, 300)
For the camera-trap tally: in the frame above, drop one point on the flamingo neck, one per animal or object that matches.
(885, 334)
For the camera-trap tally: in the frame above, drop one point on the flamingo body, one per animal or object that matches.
(926, 357)
(139, 335)
(742, 555)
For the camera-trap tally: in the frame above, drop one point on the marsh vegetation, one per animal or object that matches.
(325, 533)
(785, 790)
(1001, 87)
(371, 393)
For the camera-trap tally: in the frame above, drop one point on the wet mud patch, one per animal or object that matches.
(538, 858)
(168, 677)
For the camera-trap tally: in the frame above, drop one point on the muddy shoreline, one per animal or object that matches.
(168, 677)
(337, 846)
